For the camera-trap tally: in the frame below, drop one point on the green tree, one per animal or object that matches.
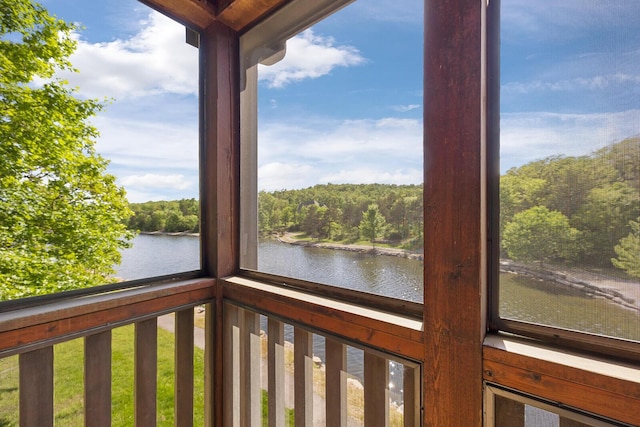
(604, 219)
(62, 217)
(372, 224)
(628, 251)
(539, 234)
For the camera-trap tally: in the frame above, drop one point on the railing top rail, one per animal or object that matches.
(35, 327)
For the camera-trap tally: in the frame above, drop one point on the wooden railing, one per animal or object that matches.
(290, 348)
(295, 371)
(32, 332)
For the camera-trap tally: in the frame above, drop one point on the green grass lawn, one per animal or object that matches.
(69, 379)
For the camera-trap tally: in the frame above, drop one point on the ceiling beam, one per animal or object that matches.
(240, 14)
(197, 14)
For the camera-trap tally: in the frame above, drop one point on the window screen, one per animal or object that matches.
(570, 166)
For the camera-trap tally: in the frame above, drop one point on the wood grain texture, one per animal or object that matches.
(454, 210)
(336, 383)
(219, 150)
(588, 391)
(198, 14)
(36, 388)
(412, 400)
(303, 387)
(219, 182)
(276, 373)
(59, 322)
(97, 380)
(322, 315)
(376, 390)
(241, 14)
(145, 373)
(183, 390)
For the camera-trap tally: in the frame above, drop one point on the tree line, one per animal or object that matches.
(173, 216)
(346, 213)
(582, 210)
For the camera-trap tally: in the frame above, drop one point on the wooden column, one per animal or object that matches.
(455, 226)
(220, 181)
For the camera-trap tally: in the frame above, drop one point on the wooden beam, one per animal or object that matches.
(241, 14)
(197, 14)
(454, 213)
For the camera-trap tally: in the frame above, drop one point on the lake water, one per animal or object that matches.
(521, 298)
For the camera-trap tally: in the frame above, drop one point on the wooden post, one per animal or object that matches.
(336, 383)
(183, 390)
(36, 388)
(145, 372)
(303, 368)
(454, 213)
(376, 390)
(97, 380)
(276, 373)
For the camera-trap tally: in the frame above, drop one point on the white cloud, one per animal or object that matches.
(141, 145)
(374, 175)
(405, 108)
(153, 181)
(535, 135)
(155, 60)
(280, 176)
(309, 56)
(564, 19)
(618, 80)
(303, 152)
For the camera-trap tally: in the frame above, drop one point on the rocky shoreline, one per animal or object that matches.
(401, 253)
(625, 293)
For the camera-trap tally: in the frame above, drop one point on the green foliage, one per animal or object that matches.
(175, 216)
(539, 234)
(334, 212)
(599, 194)
(372, 224)
(628, 251)
(61, 214)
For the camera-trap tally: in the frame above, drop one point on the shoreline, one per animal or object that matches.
(168, 233)
(622, 292)
(400, 253)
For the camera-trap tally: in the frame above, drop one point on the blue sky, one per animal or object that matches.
(345, 105)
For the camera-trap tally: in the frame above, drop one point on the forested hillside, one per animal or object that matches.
(583, 210)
